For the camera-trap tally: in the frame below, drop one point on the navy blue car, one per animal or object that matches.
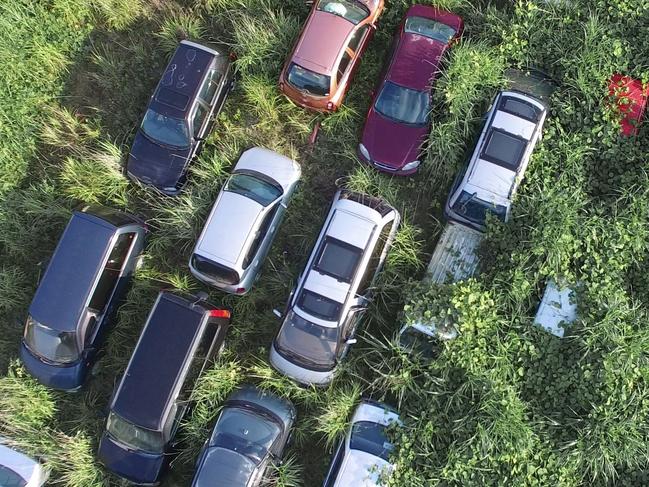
(78, 297)
(188, 98)
(249, 438)
(180, 338)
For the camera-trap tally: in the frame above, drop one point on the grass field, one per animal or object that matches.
(505, 403)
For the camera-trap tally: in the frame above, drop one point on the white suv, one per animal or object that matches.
(362, 458)
(335, 288)
(498, 163)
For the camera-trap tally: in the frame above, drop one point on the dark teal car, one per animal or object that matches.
(249, 437)
(78, 297)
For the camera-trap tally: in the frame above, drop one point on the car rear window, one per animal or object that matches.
(319, 306)
(429, 28)
(504, 149)
(351, 10)
(306, 80)
(371, 438)
(520, 108)
(338, 259)
(255, 188)
(216, 271)
(9, 478)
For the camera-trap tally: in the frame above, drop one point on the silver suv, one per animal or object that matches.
(244, 221)
(335, 288)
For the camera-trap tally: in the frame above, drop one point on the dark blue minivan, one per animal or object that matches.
(78, 297)
(180, 338)
(179, 116)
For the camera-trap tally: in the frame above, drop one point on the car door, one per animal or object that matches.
(104, 301)
(200, 115)
(336, 463)
(351, 56)
(264, 234)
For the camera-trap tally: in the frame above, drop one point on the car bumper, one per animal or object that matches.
(246, 284)
(138, 467)
(299, 374)
(385, 168)
(69, 377)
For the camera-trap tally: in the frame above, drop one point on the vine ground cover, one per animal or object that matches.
(505, 403)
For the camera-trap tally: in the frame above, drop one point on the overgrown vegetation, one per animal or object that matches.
(505, 403)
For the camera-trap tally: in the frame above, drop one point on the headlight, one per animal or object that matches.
(411, 165)
(363, 150)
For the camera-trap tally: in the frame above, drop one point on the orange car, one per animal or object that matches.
(318, 72)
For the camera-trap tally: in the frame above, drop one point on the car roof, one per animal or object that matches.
(321, 42)
(21, 464)
(350, 222)
(557, 309)
(416, 61)
(158, 366)
(63, 292)
(181, 79)
(228, 228)
(490, 180)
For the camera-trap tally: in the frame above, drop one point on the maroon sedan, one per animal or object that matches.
(397, 123)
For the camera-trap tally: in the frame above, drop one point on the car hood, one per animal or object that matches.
(229, 467)
(135, 466)
(154, 164)
(27, 468)
(380, 135)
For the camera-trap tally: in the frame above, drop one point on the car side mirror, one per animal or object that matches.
(278, 313)
(351, 341)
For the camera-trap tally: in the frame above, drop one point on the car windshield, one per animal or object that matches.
(214, 271)
(371, 438)
(419, 343)
(403, 104)
(55, 346)
(351, 10)
(474, 209)
(319, 306)
(308, 344)
(134, 436)
(246, 433)
(305, 80)
(9, 478)
(165, 130)
(430, 28)
(254, 188)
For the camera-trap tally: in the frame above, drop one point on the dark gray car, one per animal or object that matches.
(249, 437)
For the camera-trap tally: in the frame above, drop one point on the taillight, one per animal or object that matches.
(240, 290)
(330, 105)
(220, 313)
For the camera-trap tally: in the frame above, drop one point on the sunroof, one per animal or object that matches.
(504, 149)
(520, 108)
(338, 259)
(172, 98)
